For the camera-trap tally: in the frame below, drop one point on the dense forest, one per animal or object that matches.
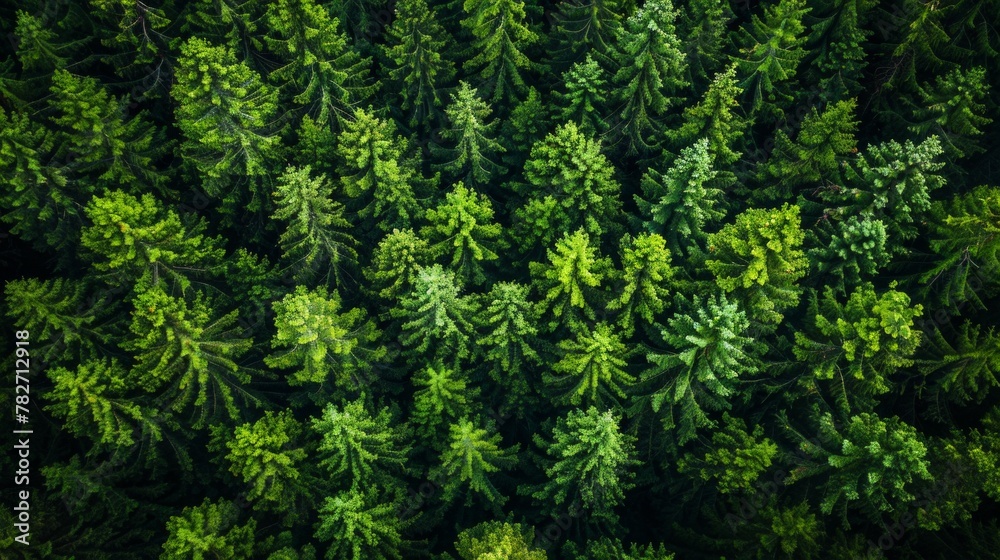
(500, 279)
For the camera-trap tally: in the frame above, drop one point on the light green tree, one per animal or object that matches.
(359, 446)
(395, 263)
(510, 327)
(207, 532)
(471, 455)
(715, 118)
(462, 230)
(493, 540)
(266, 456)
(443, 397)
(591, 369)
(361, 526)
(437, 318)
(645, 277)
(58, 314)
(734, 460)
(568, 282)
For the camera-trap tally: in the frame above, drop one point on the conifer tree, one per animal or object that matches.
(572, 185)
(953, 110)
(395, 263)
(646, 273)
(510, 329)
(682, 202)
(467, 462)
(360, 524)
(736, 458)
(964, 369)
(315, 243)
(57, 313)
(209, 531)
(421, 68)
(592, 368)
(462, 230)
(714, 118)
(500, 37)
(186, 352)
(378, 171)
(838, 31)
(472, 160)
(651, 67)
(321, 68)
(225, 112)
(849, 251)
(37, 48)
(758, 258)
(772, 48)
(585, 98)
(585, 27)
(443, 397)
(359, 446)
(702, 27)
(266, 456)
(496, 539)
(590, 458)
(858, 344)
(567, 284)
(436, 317)
(710, 351)
(136, 240)
(324, 344)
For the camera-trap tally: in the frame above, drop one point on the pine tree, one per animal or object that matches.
(736, 458)
(361, 526)
(509, 321)
(59, 316)
(186, 353)
(265, 455)
(567, 284)
(224, 111)
(395, 263)
(377, 171)
(495, 539)
(849, 251)
(714, 119)
(37, 48)
(703, 31)
(591, 369)
(471, 455)
(209, 531)
(462, 230)
(758, 258)
(435, 317)
(872, 460)
(965, 369)
(953, 110)
(443, 397)
(500, 37)
(568, 174)
(316, 243)
(136, 240)
(651, 65)
(472, 130)
(816, 155)
(421, 68)
(682, 202)
(590, 458)
(98, 138)
(585, 100)
(324, 344)
(773, 47)
(858, 344)
(966, 248)
(646, 273)
(837, 35)
(319, 65)
(585, 27)
(91, 402)
(359, 446)
(710, 351)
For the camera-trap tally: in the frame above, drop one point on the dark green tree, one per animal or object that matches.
(467, 462)
(472, 159)
(437, 320)
(953, 109)
(443, 397)
(584, 100)
(734, 460)
(462, 230)
(500, 37)
(772, 47)
(359, 446)
(715, 119)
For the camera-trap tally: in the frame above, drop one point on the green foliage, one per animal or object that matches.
(573, 182)
(500, 37)
(225, 111)
(462, 230)
(585, 27)
(36, 45)
(322, 343)
(953, 110)
(710, 352)
(436, 317)
(702, 27)
(320, 68)
(315, 243)
(395, 263)
(569, 280)
(585, 97)
(472, 131)
(965, 368)
(795, 533)
(646, 273)
(758, 258)
(57, 313)
(735, 459)
(442, 398)
(266, 457)
(590, 458)
(849, 250)
(509, 322)
(359, 526)
(471, 455)
(209, 531)
(416, 46)
(493, 540)
(651, 66)
(714, 118)
(377, 171)
(357, 445)
(858, 344)
(772, 48)
(136, 240)
(593, 367)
